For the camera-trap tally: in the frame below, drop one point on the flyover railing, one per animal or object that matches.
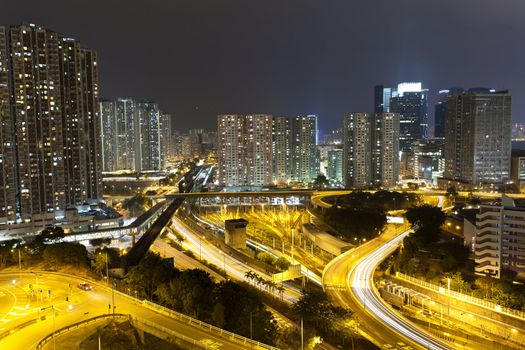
(168, 312)
(207, 326)
(48, 338)
(464, 297)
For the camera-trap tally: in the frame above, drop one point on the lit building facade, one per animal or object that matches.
(258, 150)
(281, 150)
(49, 93)
(499, 240)
(371, 149)
(304, 153)
(136, 135)
(385, 149)
(230, 153)
(478, 137)
(335, 167)
(440, 110)
(357, 156)
(428, 159)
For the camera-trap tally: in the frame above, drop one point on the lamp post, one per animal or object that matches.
(448, 312)
(293, 231)
(19, 263)
(113, 284)
(200, 247)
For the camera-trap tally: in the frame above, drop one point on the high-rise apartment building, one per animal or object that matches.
(371, 149)
(136, 135)
(108, 135)
(478, 137)
(231, 138)
(335, 167)
(305, 155)
(385, 149)
(281, 150)
(149, 136)
(258, 149)
(166, 141)
(8, 181)
(357, 156)
(127, 123)
(50, 128)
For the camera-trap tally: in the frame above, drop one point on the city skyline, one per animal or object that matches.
(288, 67)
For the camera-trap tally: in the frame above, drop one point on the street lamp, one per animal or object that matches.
(19, 263)
(448, 312)
(223, 260)
(200, 246)
(107, 267)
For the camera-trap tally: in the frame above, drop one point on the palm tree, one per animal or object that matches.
(271, 286)
(259, 280)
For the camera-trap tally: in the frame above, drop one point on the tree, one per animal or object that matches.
(65, 253)
(135, 205)
(266, 258)
(427, 221)
(99, 264)
(282, 264)
(317, 311)
(321, 182)
(217, 315)
(452, 193)
(52, 233)
(192, 289)
(97, 242)
(350, 222)
(425, 216)
(240, 305)
(151, 272)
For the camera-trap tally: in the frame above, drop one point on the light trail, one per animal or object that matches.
(312, 276)
(214, 255)
(360, 280)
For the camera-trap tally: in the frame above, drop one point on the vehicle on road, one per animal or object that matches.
(84, 286)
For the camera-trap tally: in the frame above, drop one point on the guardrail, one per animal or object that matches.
(163, 310)
(207, 326)
(465, 297)
(17, 328)
(73, 326)
(171, 332)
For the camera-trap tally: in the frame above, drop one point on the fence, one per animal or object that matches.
(206, 326)
(465, 297)
(73, 326)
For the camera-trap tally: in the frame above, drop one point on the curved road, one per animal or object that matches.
(85, 304)
(353, 288)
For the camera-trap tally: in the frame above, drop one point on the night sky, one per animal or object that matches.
(198, 59)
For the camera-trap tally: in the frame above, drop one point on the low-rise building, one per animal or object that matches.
(500, 239)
